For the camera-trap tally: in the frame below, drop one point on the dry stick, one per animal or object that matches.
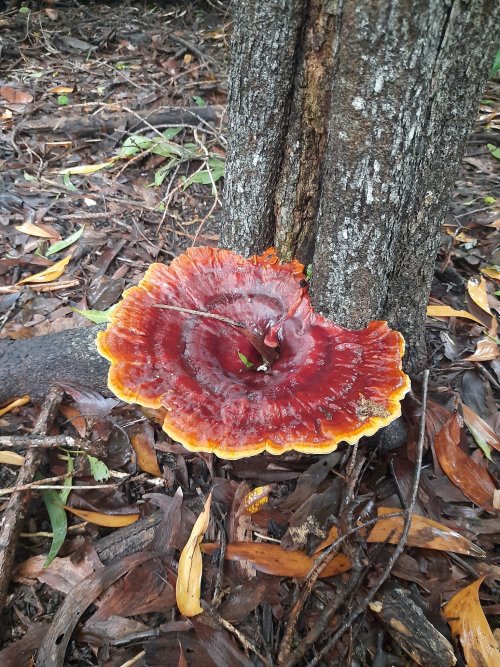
(16, 509)
(200, 313)
(402, 542)
(27, 441)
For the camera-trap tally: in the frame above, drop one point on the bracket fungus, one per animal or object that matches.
(230, 353)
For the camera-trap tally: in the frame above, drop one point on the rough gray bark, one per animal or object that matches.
(371, 103)
(32, 366)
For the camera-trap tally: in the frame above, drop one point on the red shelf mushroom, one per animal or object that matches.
(231, 352)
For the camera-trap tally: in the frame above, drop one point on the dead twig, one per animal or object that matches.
(47, 442)
(13, 517)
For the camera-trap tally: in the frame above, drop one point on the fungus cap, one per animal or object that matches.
(322, 385)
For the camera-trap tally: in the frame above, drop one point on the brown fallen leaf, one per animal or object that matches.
(273, 559)
(188, 587)
(47, 275)
(447, 311)
(15, 96)
(75, 417)
(473, 480)
(467, 620)
(143, 444)
(101, 519)
(486, 350)
(477, 426)
(477, 292)
(60, 90)
(17, 403)
(424, 533)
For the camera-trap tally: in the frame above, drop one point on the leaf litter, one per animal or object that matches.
(83, 214)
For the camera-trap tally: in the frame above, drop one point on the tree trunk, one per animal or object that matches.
(347, 123)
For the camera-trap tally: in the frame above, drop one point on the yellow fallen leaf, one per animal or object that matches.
(49, 274)
(188, 587)
(14, 404)
(35, 230)
(491, 272)
(11, 458)
(467, 620)
(477, 292)
(86, 168)
(142, 444)
(101, 519)
(447, 311)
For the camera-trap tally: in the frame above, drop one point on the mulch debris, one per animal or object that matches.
(111, 153)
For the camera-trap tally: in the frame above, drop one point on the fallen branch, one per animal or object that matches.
(13, 516)
(107, 122)
(31, 366)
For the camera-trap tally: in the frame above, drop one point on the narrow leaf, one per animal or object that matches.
(47, 275)
(273, 559)
(17, 403)
(188, 587)
(479, 428)
(467, 621)
(64, 243)
(96, 316)
(84, 169)
(58, 522)
(447, 311)
(43, 232)
(106, 520)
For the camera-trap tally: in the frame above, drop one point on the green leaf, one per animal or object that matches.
(24, 10)
(480, 441)
(134, 144)
(68, 481)
(309, 272)
(62, 100)
(487, 103)
(171, 132)
(98, 469)
(64, 243)
(95, 316)
(58, 521)
(489, 200)
(245, 360)
(163, 171)
(67, 182)
(205, 177)
(494, 150)
(199, 101)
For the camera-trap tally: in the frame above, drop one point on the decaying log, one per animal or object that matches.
(107, 122)
(410, 629)
(32, 366)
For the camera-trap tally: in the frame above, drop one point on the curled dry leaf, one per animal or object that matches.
(273, 559)
(143, 444)
(101, 519)
(424, 533)
(473, 480)
(486, 350)
(17, 403)
(188, 587)
(447, 311)
(477, 292)
(467, 620)
(479, 428)
(47, 275)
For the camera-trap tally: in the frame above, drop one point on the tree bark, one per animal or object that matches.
(347, 122)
